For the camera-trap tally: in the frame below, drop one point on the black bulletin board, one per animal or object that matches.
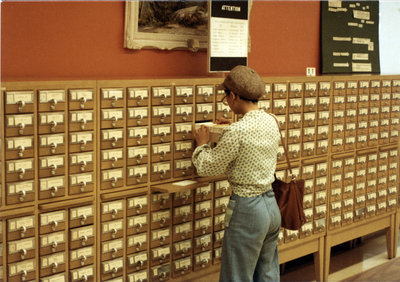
(349, 37)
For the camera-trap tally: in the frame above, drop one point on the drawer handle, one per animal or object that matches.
(83, 218)
(114, 252)
(54, 266)
(114, 141)
(53, 169)
(114, 100)
(83, 144)
(83, 123)
(84, 239)
(54, 246)
(54, 224)
(204, 245)
(114, 121)
(21, 105)
(83, 186)
(23, 253)
(114, 213)
(21, 173)
(204, 193)
(84, 277)
(138, 227)
(21, 128)
(83, 165)
(21, 150)
(138, 207)
(204, 263)
(22, 230)
(53, 125)
(163, 221)
(83, 100)
(24, 273)
(140, 157)
(54, 191)
(83, 259)
(138, 245)
(22, 195)
(53, 147)
(113, 181)
(114, 232)
(53, 103)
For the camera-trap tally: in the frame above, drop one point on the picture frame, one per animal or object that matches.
(136, 39)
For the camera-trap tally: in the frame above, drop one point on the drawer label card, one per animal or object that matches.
(205, 90)
(111, 206)
(17, 246)
(138, 132)
(111, 245)
(76, 213)
(47, 118)
(15, 97)
(56, 139)
(47, 218)
(26, 265)
(18, 165)
(15, 188)
(82, 252)
(81, 137)
(48, 183)
(109, 226)
(83, 178)
(16, 223)
(78, 233)
(161, 92)
(81, 158)
(81, 94)
(49, 95)
(47, 240)
(138, 93)
(58, 258)
(112, 114)
(137, 239)
(113, 93)
(161, 167)
(184, 91)
(17, 120)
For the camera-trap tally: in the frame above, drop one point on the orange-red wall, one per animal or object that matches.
(84, 40)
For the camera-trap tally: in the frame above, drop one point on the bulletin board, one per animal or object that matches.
(349, 37)
(228, 35)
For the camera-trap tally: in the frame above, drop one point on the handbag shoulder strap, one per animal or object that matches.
(284, 146)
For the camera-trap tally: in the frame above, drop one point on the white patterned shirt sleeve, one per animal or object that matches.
(246, 153)
(212, 162)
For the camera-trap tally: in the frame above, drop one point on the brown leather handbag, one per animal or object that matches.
(289, 197)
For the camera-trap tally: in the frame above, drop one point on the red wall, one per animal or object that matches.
(84, 40)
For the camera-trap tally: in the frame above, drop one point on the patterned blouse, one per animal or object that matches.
(247, 151)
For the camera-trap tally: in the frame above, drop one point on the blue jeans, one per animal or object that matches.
(250, 244)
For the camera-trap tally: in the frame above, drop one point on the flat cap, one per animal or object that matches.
(245, 82)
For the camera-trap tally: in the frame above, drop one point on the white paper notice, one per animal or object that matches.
(228, 37)
(361, 67)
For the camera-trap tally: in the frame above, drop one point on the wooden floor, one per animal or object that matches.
(389, 271)
(364, 259)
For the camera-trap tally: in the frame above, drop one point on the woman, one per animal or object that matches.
(247, 152)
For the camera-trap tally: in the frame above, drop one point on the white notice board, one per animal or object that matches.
(389, 36)
(228, 35)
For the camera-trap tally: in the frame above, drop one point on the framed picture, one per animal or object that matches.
(166, 25)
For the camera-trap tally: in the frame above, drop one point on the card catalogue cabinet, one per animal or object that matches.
(97, 181)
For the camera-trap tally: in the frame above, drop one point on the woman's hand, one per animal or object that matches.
(223, 121)
(202, 135)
